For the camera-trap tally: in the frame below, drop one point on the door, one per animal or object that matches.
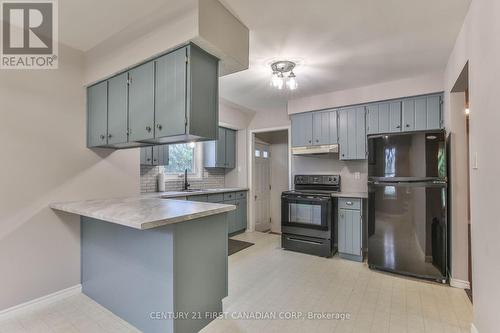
(141, 102)
(372, 119)
(170, 97)
(395, 117)
(417, 156)
(118, 109)
(261, 185)
(220, 147)
(434, 112)
(146, 155)
(408, 228)
(343, 134)
(97, 105)
(302, 129)
(230, 158)
(349, 230)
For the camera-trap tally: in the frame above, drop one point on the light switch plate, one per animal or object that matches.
(474, 161)
(357, 175)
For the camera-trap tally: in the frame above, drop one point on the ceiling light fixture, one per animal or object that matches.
(278, 79)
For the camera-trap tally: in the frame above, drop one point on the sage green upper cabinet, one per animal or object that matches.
(302, 129)
(173, 98)
(395, 117)
(155, 155)
(221, 153)
(352, 133)
(97, 114)
(409, 114)
(422, 113)
(324, 127)
(141, 102)
(117, 109)
(383, 117)
(230, 149)
(170, 102)
(187, 97)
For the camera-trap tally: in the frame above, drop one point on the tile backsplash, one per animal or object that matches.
(213, 178)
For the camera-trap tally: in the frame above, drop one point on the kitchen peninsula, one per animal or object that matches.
(147, 259)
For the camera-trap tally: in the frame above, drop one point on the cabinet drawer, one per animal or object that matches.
(230, 196)
(350, 203)
(241, 195)
(218, 197)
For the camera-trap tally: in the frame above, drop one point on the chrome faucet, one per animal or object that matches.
(186, 184)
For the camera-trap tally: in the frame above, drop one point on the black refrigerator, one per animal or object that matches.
(407, 202)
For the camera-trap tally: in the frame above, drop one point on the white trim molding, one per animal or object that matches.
(473, 328)
(41, 301)
(459, 283)
(250, 146)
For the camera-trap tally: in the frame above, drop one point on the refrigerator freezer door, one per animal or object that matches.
(407, 229)
(420, 155)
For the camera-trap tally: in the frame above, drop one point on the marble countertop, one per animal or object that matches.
(361, 195)
(142, 212)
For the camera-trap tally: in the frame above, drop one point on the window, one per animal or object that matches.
(181, 157)
(257, 153)
(265, 154)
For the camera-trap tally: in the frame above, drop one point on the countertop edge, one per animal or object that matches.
(148, 224)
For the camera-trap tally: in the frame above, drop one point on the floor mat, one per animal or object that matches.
(237, 245)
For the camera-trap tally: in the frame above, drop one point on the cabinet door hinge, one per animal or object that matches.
(187, 59)
(129, 81)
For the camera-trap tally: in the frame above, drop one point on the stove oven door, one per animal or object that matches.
(307, 215)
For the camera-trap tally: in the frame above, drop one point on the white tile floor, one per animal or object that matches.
(265, 278)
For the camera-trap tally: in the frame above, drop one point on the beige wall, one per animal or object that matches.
(478, 44)
(236, 118)
(42, 130)
(419, 85)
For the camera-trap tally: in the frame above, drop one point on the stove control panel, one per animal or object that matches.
(317, 180)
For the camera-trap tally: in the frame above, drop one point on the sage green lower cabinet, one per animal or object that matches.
(221, 153)
(236, 219)
(350, 229)
(155, 155)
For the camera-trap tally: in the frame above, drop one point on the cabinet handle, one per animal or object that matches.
(110, 136)
(399, 126)
(102, 136)
(154, 160)
(407, 125)
(349, 203)
(159, 127)
(309, 141)
(148, 128)
(317, 140)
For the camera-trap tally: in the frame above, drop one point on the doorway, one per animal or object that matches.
(270, 176)
(460, 183)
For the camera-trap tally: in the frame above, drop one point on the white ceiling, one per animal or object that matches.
(341, 44)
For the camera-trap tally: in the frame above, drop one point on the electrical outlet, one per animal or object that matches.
(474, 161)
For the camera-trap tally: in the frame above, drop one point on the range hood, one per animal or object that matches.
(316, 150)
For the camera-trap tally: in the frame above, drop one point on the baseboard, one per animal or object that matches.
(38, 302)
(473, 328)
(459, 283)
